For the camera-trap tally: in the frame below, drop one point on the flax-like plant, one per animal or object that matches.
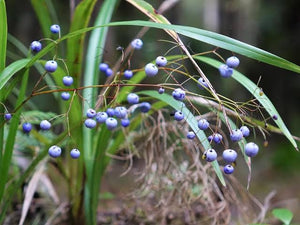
(79, 51)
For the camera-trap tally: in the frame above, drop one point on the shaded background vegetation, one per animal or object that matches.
(271, 25)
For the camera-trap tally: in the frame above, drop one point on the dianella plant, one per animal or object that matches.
(165, 108)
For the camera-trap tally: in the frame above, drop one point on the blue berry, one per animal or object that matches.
(54, 151)
(65, 96)
(90, 123)
(161, 61)
(217, 138)
(203, 124)
(27, 127)
(161, 90)
(236, 135)
(201, 83)
(229, 155)
(128, 74)
(101, 117)
(91, 113)
(178, 116)
(137, 43)
(109, 72)
(67, 80)
(225, 71)
(151, 70)
(125, 122)
(103, 67)
(45, 125)
(210, 155)
(145, 107)
(245, 131)
(191, 135)
(210, 138)
(51, 66)
(228, 169)
(133, 98)
(36, 46)
(178, 94)
(251, 149)
(120, 112)
(7, 116)
(110, 112)
(233, 62)
(111, 123)
(275, 117)
(75, 153)
(55, 28)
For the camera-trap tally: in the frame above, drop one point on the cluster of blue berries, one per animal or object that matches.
(226, 70)
(55, 151)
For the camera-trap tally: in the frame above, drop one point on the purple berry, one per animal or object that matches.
(67, 80)
(203, 124)
(91, 113)
(133, 98)
(225, 71)
(236, 135)
(245, 131)
(251, 149)
(151, 70)
(217, 138)
(125, 122)
(111, 123)
(120, 112)
(228, 169)
(110, 112)
(161, 61)
(233, 62)
(178, 94)
(109, 72)
(51, 66)
(103, 67)
(275, 117)
(45, 125)
(128, 74)
(161, 90)
(210, 138)
(178, 116)
(201, 83)
(54, 151)
(191, 135)
(7, 116)
(75, 153)
(137, 43)
(65, 96)
(210, 155)
(90, 123)
(55, 28)
(229, 155)
(36, 46)
(101, 117)
(27, 127)
(145, 107)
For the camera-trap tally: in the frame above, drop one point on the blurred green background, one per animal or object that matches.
(271, 25)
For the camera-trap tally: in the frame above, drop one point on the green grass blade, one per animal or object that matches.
(192, 123)
(11, 70)
(3, 34)
(255, 91)
(42, 11)
(81, 19)
(13, 127)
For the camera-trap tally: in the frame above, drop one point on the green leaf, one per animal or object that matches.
(3, 34)
(284, 215)
(10, 70)
(42, 11)
(192, 123)
(255, 91)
